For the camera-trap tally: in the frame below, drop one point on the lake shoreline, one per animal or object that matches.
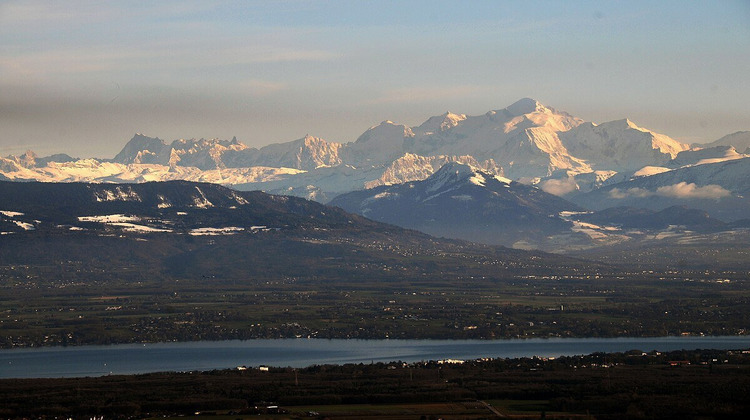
(711, 383)
(101, 360)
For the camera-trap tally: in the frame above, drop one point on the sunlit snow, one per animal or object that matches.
(10, 213)
(201, 202)
(118, 194)
(163, 202)
(650, 170)
(208, 231)
(112, 218)
(130, 227)
(24, 225)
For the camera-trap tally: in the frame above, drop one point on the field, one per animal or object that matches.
(101, 311)
(69, 310)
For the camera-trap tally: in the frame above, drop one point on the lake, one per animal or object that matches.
(80, 361)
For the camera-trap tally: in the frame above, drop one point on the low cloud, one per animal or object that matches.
(685, 190)
(559, 187)
(619, 194)
(681, 190)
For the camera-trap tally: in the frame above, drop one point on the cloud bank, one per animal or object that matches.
(681, 190)
(559, 187)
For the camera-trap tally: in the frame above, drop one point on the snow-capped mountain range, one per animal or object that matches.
(721, 188)
(526, 141)
(464, 202)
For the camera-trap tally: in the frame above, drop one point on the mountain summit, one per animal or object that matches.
(526, 141)
(526, 106)
(464, 202)
(620, 145)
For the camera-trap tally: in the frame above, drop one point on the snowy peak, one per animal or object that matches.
(528, 112)
(201, 153)
(740, 140)
(456, 174)
(202, 145)
(461, 201)
(522, 138)
(620, 145)
(526, 140)
(385, 130)
(623, 124)
(140, 146)
(28, 159)
(458, 170)
(380, 145)
(664, 144)
(307, 153)
(543, 116)
(440, 123)
(29, 162)
(209, 154)
(526, 106)
(413, 167)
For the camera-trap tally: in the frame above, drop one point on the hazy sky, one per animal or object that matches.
(81, 77)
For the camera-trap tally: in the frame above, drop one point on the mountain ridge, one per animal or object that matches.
(719, 188)
(533, 125)
(525, 141)
(464, 202)
(122, 223)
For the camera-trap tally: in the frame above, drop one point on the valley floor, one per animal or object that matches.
(66, 312)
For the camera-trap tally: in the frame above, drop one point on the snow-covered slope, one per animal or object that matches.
(707, 155)
(411, 167)
(320, 185)
(439, 124)
(722, 189)
(522, 138)
(307, 153)
(30, 160)
(92, 170)
(740, 140)
(568, 183)
(620, 145)
(379, 145)
(461, 201)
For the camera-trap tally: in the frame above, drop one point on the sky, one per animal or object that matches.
(81, 77)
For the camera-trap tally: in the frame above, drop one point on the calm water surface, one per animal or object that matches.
(194, 356)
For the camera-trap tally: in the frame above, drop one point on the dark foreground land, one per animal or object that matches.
(701, 384)
(320, 272)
